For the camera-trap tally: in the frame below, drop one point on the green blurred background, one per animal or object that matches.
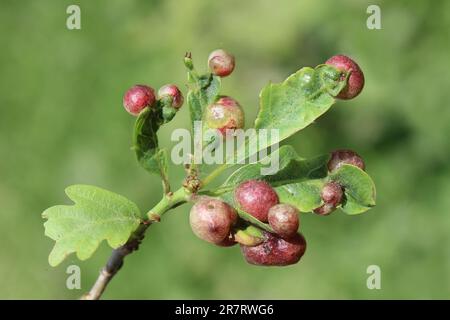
(61, 123)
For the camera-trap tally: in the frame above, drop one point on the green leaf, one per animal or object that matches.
(297, 182)
(195, 106)
(359, 188)
(145, 142)
(248, 234)
(297, 102)
(97, 215)
(359, 191)
(305, 196)
(204, 91)
(352, 207)
(249, 218)
(210, 88)
(292, 168)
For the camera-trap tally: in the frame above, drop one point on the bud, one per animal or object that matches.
(221, 63)
(137, 98)
(188, 61)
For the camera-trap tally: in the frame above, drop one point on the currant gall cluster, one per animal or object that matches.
(225, 114)
(139, 97)
(332, 192)
(214, 221)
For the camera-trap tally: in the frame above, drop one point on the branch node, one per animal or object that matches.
(153, 217)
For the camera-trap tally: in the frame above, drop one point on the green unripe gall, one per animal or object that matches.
(224, 114)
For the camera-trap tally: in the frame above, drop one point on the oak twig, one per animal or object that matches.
(116, 260)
